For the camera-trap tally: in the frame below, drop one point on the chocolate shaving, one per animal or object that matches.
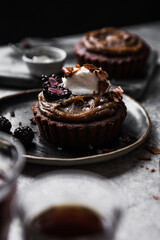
(156, 197)
(68, 71)
(153, 170)
(102, 86)
(118, 92)
(90, 67)
(127, 138)
(153, 149)
(102, 75)
(12, 114)
(33, 120)
(115, 99)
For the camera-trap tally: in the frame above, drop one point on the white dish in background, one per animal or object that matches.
(53, 64)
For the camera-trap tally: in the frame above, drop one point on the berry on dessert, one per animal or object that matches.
(5, 124)
(24, 134)
(87, 112)
(53, 89)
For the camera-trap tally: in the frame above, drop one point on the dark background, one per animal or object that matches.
(47, 19)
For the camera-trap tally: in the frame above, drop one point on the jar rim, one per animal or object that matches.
(15, 170)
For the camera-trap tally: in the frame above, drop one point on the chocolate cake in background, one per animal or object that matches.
(120, 53)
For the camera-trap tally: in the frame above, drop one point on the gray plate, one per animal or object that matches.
(137, 124)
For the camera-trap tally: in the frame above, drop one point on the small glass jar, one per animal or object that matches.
(11, 163)
(70, 204)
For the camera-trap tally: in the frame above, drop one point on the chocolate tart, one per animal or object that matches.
(77, 121)
(120, 53)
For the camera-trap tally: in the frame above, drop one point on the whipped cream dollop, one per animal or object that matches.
(85, 79)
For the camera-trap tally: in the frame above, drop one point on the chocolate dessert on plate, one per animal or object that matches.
(80, 109)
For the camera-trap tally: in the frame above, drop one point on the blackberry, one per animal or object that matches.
(57, 77)
(24, 134)
(53, 89)
(44, 78)
(5, 124)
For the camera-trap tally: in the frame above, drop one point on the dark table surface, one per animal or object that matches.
(135, 178)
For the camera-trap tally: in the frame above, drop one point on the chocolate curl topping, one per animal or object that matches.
(90, 67)
(118, 92)
(103, 84)
(68, 71)
(101, 74)
(102, 87)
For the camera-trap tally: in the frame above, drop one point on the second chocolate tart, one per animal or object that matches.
(120, 53)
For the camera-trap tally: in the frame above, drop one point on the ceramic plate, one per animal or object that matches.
(135, 130)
